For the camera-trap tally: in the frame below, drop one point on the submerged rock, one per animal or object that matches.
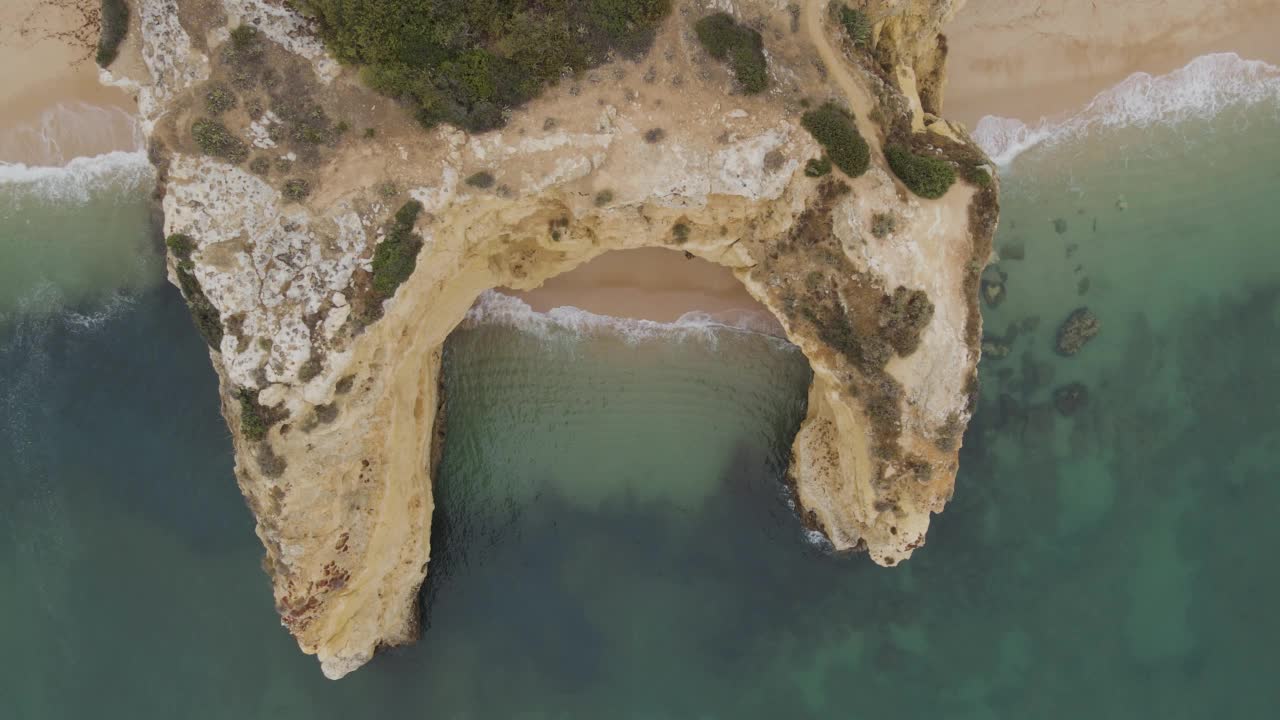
(992, 285)
(1070, 397)
(1078, 329)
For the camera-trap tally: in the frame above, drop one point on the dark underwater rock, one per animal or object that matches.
(1070, 397)
(1079, 328)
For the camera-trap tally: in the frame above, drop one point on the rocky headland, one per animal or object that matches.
(328, 243)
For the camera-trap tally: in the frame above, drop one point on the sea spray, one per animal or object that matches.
(1202, 89)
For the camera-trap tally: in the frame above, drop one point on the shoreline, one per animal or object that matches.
(1035, 59)
(53, 46)
(654, 284)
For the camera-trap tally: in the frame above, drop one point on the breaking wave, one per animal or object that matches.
(1201, 89)
(495, 308)
(74, 151)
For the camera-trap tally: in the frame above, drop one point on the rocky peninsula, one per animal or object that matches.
(328, 243)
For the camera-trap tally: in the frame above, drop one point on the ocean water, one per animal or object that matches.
(613, 538)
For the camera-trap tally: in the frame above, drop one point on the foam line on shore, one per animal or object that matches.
(1202, 88)
(495, 308)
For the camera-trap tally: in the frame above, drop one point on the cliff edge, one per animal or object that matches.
(328, 244)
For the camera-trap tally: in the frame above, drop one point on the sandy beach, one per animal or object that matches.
(46, 48)
(648, 284)
(1031, 58)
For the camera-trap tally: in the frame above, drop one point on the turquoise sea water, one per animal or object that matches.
(612, 538)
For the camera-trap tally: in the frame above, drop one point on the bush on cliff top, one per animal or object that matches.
(215, 139)
(834, 129)
(927, 176)
(114, 26)
(397, 255)
(465, 63)
(724, 39)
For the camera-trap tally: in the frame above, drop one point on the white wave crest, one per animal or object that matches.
(80, 179)
(1203, 88)
(495, 308)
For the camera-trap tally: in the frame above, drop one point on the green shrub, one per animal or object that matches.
(856, 24)
(260, 165)
(370, 133)
(397, 255)
(466, 62)
(245, 39)
(296, 189)
(904, 316)
(925, 175)
(724, 39)
(818, 167)
(115, 25)
(214, 139)
(218, 99)
(834, 129)
(883, 224)
(482, 180)
(253, 418)
(181, 245)
(680, 233)
(206, 317)
(654, 135)
(976, 175)
(604, 197)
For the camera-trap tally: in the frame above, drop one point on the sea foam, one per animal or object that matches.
(1201, 89)
(496, 308)
(54, 167)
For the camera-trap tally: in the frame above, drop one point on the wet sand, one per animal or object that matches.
(46, 49)
(1029, 59)
(648, 284)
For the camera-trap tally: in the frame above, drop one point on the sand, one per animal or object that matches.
(1029, 59)
(647, 284)
(46, 50)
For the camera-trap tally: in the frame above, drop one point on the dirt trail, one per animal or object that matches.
(811, 15)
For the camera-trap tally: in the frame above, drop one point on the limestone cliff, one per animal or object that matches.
(332, 393)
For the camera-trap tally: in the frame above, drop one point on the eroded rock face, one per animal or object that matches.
(332, 395)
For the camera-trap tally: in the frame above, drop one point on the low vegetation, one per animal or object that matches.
(255, 419)
(218, 99)
(883, 224)
(742, 47)
(903, 317)
(296, 189)
(976, 175)
(927, 176)
(856, 24)
(468, 63)
(483, 180)
(215, 139)
(818, 167)
(205, 316)
(834, 129)
(114, 26)
(395, 257)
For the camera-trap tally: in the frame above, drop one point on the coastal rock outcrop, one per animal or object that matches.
(336, 244)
